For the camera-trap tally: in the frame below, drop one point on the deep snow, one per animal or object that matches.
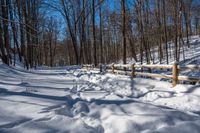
(72, 100)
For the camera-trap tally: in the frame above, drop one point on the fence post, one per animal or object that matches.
(175, 74)
(100, 67)
(133, 70)
(113, 68)
(86, 67)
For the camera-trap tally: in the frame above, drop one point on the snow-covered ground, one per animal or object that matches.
(72, 100)
(189, 55)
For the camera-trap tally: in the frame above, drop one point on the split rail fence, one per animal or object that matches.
(133, 71)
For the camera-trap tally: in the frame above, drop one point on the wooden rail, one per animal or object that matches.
(175, 72)
(175, 68)
(88, 66)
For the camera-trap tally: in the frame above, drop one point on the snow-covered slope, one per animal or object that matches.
(72, 100)
(189, 55)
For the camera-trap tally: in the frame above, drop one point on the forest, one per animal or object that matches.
(71, 32)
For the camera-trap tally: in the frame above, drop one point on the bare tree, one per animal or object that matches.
(123, 12)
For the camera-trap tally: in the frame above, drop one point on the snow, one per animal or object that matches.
(189, 55)
(74, 100)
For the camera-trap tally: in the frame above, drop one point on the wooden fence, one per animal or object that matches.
(175, 68)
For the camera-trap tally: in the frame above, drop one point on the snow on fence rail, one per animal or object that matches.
(88, 66)
(175, 71)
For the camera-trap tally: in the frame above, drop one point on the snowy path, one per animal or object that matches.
(76, 101)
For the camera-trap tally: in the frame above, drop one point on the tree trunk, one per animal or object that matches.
(123, 12)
